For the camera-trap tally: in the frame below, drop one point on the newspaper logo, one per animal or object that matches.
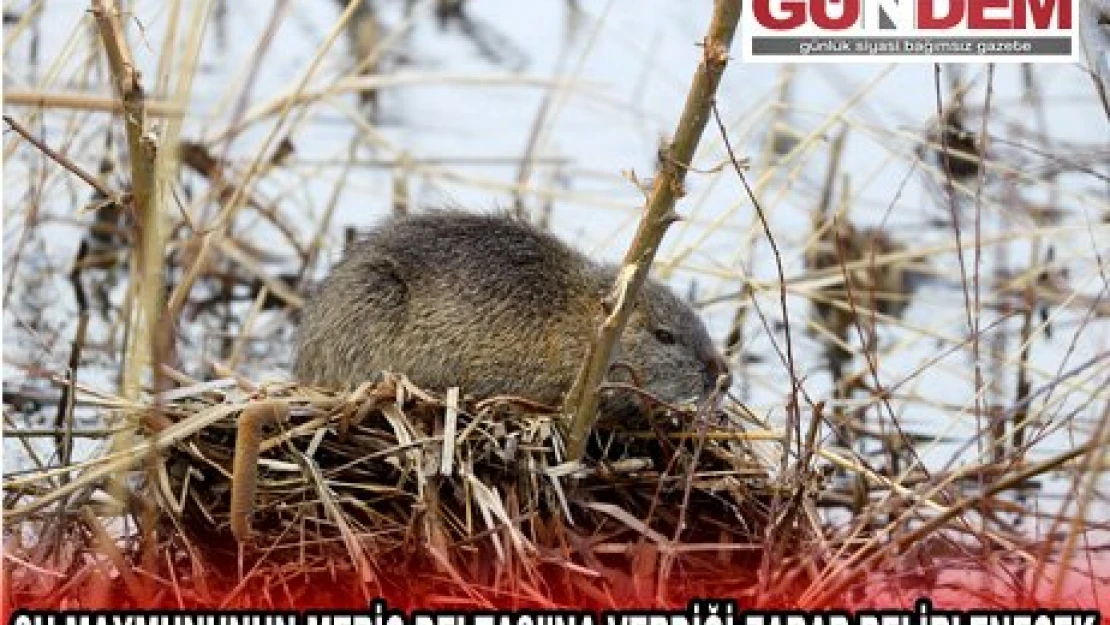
(947, 31)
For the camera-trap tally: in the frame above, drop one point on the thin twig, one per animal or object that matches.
(61, 159)
(582, 399)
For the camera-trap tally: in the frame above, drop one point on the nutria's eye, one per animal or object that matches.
(664, 336)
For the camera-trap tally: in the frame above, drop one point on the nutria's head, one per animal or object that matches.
(666, 345)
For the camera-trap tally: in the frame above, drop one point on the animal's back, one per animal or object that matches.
(450, 298)
(484, 258)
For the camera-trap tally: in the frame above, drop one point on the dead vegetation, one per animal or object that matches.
(940, 426)
(475, 501)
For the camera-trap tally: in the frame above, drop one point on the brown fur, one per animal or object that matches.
(493, 306)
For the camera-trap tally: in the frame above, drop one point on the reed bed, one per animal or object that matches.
(921, 402)
(473, 501)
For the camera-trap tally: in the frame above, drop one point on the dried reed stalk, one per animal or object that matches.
(145, 292)
(85, 102)
(244, 479)
(582, 399)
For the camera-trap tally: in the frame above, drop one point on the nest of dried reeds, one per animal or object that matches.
(392, 491)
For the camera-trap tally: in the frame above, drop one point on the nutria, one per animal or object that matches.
(496, 307)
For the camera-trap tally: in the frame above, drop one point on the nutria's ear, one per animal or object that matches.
(383, 280)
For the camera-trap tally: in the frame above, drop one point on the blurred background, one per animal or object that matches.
(942, 230)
